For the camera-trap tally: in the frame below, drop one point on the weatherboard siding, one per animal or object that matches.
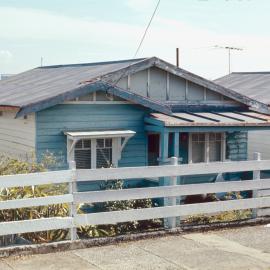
(164, 86)
(17, 136)
(52, 122)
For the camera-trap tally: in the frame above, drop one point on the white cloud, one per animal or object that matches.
(78, 38)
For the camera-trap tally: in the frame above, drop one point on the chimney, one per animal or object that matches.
(177, 57)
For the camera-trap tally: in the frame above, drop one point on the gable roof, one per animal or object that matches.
(47, 86)
(255, 85)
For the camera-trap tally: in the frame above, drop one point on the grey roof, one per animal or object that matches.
(46, 82)
(44, 87)
(255, 85)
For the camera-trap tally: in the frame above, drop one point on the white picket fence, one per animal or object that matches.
(260, 187)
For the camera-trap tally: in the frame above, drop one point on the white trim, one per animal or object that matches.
(223, 147)
(186, 90)
(168, 86)
(204, 94)
(116, 154)
(93, 153)
(99, 134)
(117, 145)
(206, 148)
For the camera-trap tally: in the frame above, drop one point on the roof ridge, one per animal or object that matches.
(94, 63)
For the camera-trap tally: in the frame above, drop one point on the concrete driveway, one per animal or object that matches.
(242, 248)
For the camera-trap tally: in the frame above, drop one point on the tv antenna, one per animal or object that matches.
(229, 49)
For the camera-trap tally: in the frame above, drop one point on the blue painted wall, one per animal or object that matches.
(51, 123)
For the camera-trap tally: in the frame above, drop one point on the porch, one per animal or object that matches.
(202, 137)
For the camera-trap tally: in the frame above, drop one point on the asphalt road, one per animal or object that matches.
(242, 248)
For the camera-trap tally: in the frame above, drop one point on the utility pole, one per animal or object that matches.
(41, 61)
(229, 49)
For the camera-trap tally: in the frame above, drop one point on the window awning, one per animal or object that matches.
(74, 136)
(203, 119)
(99, 134)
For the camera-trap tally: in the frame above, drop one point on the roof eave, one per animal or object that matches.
(92, 87)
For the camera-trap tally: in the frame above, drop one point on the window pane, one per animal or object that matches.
(108, 142)
(78, 144)
(104, 157)
(215, 147)
(82, 158)
(86, 143)
(198, 152)
(100, 143)
(201, 137)
(104, 153)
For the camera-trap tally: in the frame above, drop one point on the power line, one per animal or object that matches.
(140, 44)
(146, 29)
(138, 48)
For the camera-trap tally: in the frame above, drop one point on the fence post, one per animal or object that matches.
(256, 176)
(72, 206)
(172, 200)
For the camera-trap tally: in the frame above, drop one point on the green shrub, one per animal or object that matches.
(15, 166)
(125, 227)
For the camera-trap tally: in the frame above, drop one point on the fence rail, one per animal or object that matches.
(260, 200)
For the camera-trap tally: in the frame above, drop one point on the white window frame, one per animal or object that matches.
(118, 144)
(94, 152)
(206, 146)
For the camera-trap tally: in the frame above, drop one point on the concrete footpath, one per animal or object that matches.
(241, 248)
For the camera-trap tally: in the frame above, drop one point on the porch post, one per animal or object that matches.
(176, 144)
(176, 141)
(163, 157)
(164, 147)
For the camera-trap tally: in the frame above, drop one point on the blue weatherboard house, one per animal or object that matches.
(125, 113)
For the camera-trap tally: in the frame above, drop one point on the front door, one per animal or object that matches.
(153, 149)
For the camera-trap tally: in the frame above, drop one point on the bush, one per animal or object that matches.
(120, 228)
(14, 166)
(224, 216)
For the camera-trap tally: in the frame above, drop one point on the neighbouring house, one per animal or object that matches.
(255, 85)
(125, 113)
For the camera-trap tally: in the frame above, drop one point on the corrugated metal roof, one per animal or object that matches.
(46, 82)
(44, 87)
(255, 85)
(248, 119)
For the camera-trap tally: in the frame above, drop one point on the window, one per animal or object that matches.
(198, 147)
(206, 147)
(86, 157)
(96, 149)
(215, 146)
(104, 153)
(82, 154)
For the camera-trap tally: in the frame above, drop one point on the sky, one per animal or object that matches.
(82, 31)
